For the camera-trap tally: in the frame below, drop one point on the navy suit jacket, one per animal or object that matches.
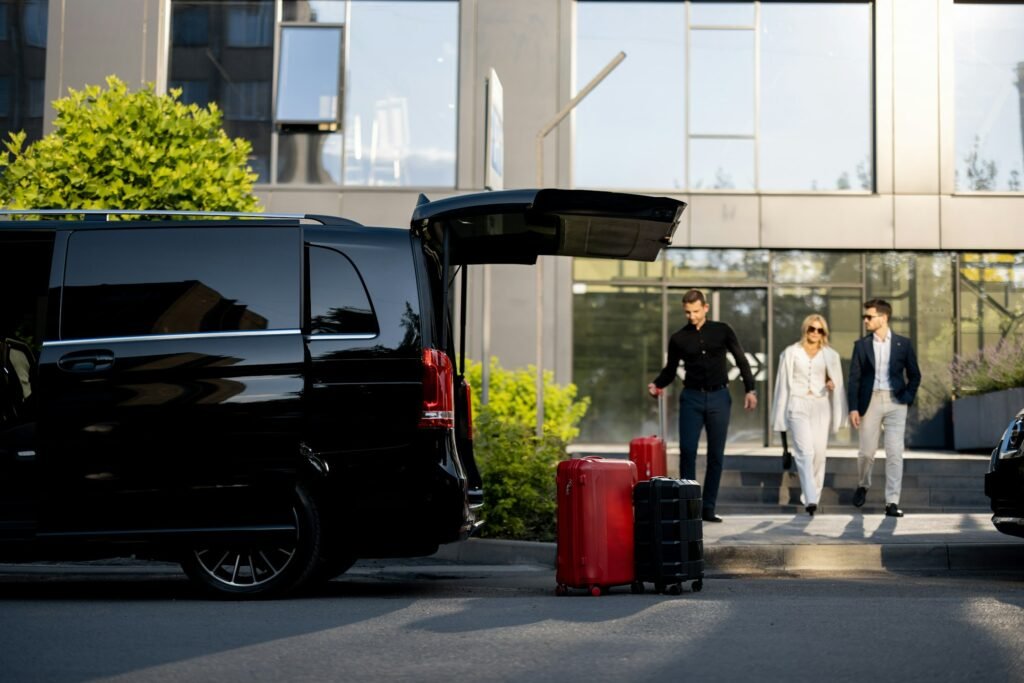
(904, 374)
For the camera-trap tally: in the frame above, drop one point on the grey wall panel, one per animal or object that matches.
(917, 222)
(832, 222)
(980, 222)
(725, 221)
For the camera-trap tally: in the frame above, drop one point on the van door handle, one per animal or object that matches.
(86, 361)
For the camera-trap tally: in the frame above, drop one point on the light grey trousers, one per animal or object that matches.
(886, 414)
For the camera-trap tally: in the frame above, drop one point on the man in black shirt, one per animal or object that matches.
(704, 403)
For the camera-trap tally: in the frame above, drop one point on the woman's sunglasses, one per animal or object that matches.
(819, 330)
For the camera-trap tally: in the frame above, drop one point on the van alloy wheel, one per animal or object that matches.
(246, 566)
(268, 569)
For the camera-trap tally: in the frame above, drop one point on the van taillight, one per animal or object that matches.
(438, 393)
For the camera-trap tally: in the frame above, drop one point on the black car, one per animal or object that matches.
(1004, 482)
(262, 398)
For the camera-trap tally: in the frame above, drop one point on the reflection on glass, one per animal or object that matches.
(989, 91)
(920, 289)
(183, 280)
(721, 164)
(810, 267)
(315, 11)
(816, 95)
(722, 82)
(309, 158)
(309, 74)
(222, 51)
(629, 131)
(400, 94)
(23, 68)
(717, 265)
(991, 299)
(613, 269)
(612, 368)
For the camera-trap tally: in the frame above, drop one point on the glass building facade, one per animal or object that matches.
(947, 302)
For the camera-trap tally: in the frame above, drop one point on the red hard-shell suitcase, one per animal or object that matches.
(649, 452)
(650, 456)
(595, 524)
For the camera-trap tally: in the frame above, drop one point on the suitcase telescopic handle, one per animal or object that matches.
(661, 416)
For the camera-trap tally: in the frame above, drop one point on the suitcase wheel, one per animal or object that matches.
(637, 587)
(595, 591)
(561, 589)
(697, 585)
(674, 589)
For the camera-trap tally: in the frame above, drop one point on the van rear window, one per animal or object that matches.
(134, 282)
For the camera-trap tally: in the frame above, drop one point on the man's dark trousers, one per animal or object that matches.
(708, 410)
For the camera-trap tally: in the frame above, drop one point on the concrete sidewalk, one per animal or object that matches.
(838, 542)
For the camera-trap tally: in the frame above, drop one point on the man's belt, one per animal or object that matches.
(708, 389)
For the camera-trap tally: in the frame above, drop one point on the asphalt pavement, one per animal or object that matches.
(851, 542)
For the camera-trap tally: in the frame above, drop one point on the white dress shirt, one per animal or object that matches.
(883, 347)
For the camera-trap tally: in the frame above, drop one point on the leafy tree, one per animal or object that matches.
(118, 149)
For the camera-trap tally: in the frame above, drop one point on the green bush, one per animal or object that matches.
(117, 149)
(518, 469)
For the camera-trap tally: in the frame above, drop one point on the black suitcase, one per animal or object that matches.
(668, 534)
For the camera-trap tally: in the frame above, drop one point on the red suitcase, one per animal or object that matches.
(649, 452)
(650, 456)
(595, 524)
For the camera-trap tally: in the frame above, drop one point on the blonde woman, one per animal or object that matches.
(809, 403)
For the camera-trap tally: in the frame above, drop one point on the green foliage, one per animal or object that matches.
(993, 369)
(117, 149)
(518, 469)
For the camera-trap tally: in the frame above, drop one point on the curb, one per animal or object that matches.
(769, 558)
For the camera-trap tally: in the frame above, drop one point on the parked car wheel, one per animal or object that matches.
(267, 569)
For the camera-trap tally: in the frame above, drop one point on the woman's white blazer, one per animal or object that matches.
(837, 401)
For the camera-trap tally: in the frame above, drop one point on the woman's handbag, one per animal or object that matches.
(787, 457)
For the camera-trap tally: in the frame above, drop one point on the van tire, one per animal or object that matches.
(261, 570)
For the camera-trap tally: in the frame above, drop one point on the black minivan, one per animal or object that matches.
(264, 398)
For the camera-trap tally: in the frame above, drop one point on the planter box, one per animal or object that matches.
(979, 421)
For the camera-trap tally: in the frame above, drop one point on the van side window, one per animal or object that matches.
(338, 302)
(144, 281)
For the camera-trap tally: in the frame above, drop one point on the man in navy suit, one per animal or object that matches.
(884, 377)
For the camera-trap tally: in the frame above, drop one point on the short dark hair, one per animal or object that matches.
(880, 305)
(694, 295)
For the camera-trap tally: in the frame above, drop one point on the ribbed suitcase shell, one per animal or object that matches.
(595, 523)
(669, 533)
(650, 455)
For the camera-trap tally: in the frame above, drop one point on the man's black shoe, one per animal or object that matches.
(892, 510)
(709, 516)
(859, 496)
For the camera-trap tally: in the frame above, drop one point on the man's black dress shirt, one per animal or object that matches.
(703, 355)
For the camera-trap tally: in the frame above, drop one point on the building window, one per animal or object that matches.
(726, 96)
(396, 108)
(22, 68)
(989, 96)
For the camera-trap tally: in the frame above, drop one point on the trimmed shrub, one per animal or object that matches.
(518, 469)
(114, 149)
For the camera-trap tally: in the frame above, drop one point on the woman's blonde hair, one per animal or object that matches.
(817, 320)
